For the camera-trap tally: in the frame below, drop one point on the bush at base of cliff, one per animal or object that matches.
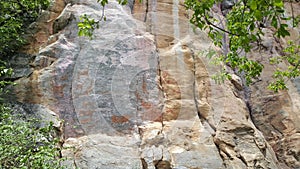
(23, 145)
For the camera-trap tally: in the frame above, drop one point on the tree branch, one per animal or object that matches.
(102, 13)
(293, 16)
(217, 27)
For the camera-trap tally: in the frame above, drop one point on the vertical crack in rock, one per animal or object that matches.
(159, 70)
(160, 86)
(74, 163)
(246, 97)
(243, 160)
(146, 11)
(194, 89)
(201, 118)
(149, 140)
(144, 163)
(222, 154)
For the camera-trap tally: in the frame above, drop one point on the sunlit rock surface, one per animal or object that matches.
(139, 94)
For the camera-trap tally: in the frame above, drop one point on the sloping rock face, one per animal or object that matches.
(277, 115)
(139, 95)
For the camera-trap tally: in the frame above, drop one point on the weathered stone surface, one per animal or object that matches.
(62, 20)
(22, 65)
(102, 151)
(277, 116)
(139, 95)
(39, 112)
(50, 83)
(39, 31)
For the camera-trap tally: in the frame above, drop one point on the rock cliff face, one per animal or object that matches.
(139, 94)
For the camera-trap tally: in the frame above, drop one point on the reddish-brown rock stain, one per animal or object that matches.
(150, 111)
(144, 86)
(171, 93)
(119, 119)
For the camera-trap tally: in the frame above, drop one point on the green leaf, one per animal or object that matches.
(274, 22)
(211, 53)
(278, 3)
(124, 2)
(253, 5)
(282, 31)
(258, 14)
(80, 32)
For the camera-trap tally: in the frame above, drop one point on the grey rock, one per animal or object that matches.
(226, 5)
(39, 112)
(297, 84)
(236, 81)
(21, 65)
(63, 19)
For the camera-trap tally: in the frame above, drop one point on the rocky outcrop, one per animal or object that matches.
(39, 32)
(139, 95)
(277, 114)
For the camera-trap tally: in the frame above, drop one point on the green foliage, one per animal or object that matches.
(281, 75)
(243, 27)
(221, 76)
(87, 26)
(4, 72)
(15, 16)
(23, 145)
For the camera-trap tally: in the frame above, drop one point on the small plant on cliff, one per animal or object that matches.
(292, 56)
(236, 26)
